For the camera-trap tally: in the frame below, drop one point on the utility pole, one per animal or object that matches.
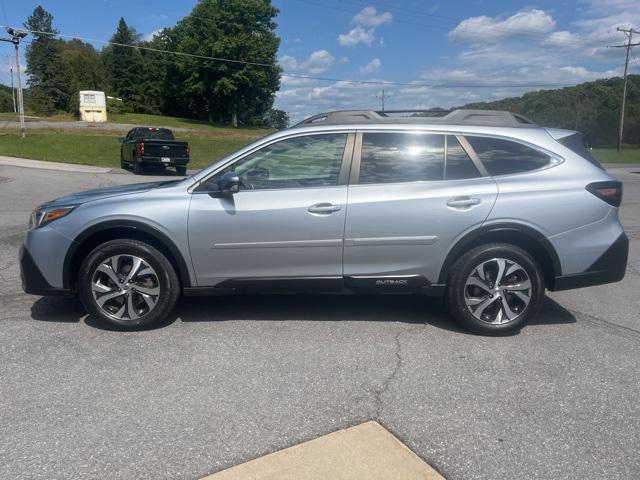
(13, 88)
(628, 45)
(383, 98)
(16, 36)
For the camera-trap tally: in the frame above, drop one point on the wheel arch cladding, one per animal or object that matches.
(530, 240)
(96, 235)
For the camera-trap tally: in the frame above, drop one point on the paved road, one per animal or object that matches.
(235, 378)
(80, 125)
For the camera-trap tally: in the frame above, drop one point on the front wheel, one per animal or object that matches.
(128, 285)
(495, 289)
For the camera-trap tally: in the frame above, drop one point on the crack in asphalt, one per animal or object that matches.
(378, 393)
(613, 328)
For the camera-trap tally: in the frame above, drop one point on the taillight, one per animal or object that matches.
(610, 192)
(141, 148)
(188, 150)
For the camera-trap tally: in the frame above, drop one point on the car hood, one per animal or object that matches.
(101, 193)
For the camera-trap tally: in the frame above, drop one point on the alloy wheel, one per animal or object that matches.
(497, 291)
(125, 287)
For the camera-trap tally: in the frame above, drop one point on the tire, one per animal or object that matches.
(181, 171)
(137, 167)
(144, 301)
(479, 305)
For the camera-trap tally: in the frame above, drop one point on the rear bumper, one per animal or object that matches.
(179, 161)
(33, 281)
(609, 268)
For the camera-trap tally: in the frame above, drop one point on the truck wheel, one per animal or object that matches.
(495, 289)
(128, 285)
(137, 166)
(182, 171)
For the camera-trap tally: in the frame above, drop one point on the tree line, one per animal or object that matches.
(147, 79)
(592, 108)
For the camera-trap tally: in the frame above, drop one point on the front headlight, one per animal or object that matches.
(43, 215)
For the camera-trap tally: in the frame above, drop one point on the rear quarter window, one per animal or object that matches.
(505, 157)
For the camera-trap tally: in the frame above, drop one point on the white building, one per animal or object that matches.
(93, 106)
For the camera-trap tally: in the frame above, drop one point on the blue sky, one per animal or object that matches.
(473, 50)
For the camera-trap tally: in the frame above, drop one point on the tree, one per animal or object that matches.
(48, 85)
(278, 119)
(123, 66)
(218, 90)
(83, 67)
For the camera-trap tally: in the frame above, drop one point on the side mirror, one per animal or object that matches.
(229, 183)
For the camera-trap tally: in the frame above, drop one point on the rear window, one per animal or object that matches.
(575, 143)
(153, 134)
(504, 157)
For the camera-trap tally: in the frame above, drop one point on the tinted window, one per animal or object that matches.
(401, 157)
(502, 157)
(459, 165)
(309, 161)
(153, 134)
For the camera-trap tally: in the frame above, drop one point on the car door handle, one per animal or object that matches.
(463, 202)
(324, 208)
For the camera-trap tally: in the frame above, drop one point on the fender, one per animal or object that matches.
(183, 270)
(494, 231)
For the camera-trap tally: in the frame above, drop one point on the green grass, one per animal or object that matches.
(610, 155)
(172, 122)
(104, 150)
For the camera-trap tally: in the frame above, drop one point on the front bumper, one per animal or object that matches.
(609, 268)
(33, 281)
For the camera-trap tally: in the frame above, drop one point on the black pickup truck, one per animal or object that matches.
(153, 146)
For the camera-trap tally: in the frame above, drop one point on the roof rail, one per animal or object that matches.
(495, 118)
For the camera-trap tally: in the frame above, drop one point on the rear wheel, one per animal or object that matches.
(128, 285)
(182, 171)
(137, 166)
(495, 289)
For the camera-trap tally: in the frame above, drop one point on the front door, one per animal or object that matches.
(287, 220)
(407, 206)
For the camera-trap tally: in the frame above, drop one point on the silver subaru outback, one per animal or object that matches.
(484, 208)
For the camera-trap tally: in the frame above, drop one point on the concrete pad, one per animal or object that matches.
(366, 451)
(44, 165)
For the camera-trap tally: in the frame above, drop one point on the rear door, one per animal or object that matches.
(411, 195)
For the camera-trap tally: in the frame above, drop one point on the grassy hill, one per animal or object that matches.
(592, 108)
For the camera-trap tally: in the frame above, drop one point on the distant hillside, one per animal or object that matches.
(592, 108)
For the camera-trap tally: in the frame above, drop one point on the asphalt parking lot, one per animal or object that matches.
(235, 378)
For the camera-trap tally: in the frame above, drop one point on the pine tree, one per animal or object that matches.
(124, 66)
(48, 82)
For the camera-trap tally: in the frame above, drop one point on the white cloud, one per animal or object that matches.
(490, 29)
(318, 62)
(357, 35)
(562, 39)
(368, 17)
(373, 66)
(149, 36)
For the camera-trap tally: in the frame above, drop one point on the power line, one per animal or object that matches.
(414, 84)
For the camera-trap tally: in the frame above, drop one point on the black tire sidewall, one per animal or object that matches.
(167, 278)
(465, 265)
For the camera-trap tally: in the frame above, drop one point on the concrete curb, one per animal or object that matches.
(43, 165)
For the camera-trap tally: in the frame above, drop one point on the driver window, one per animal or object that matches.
(298, 162)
